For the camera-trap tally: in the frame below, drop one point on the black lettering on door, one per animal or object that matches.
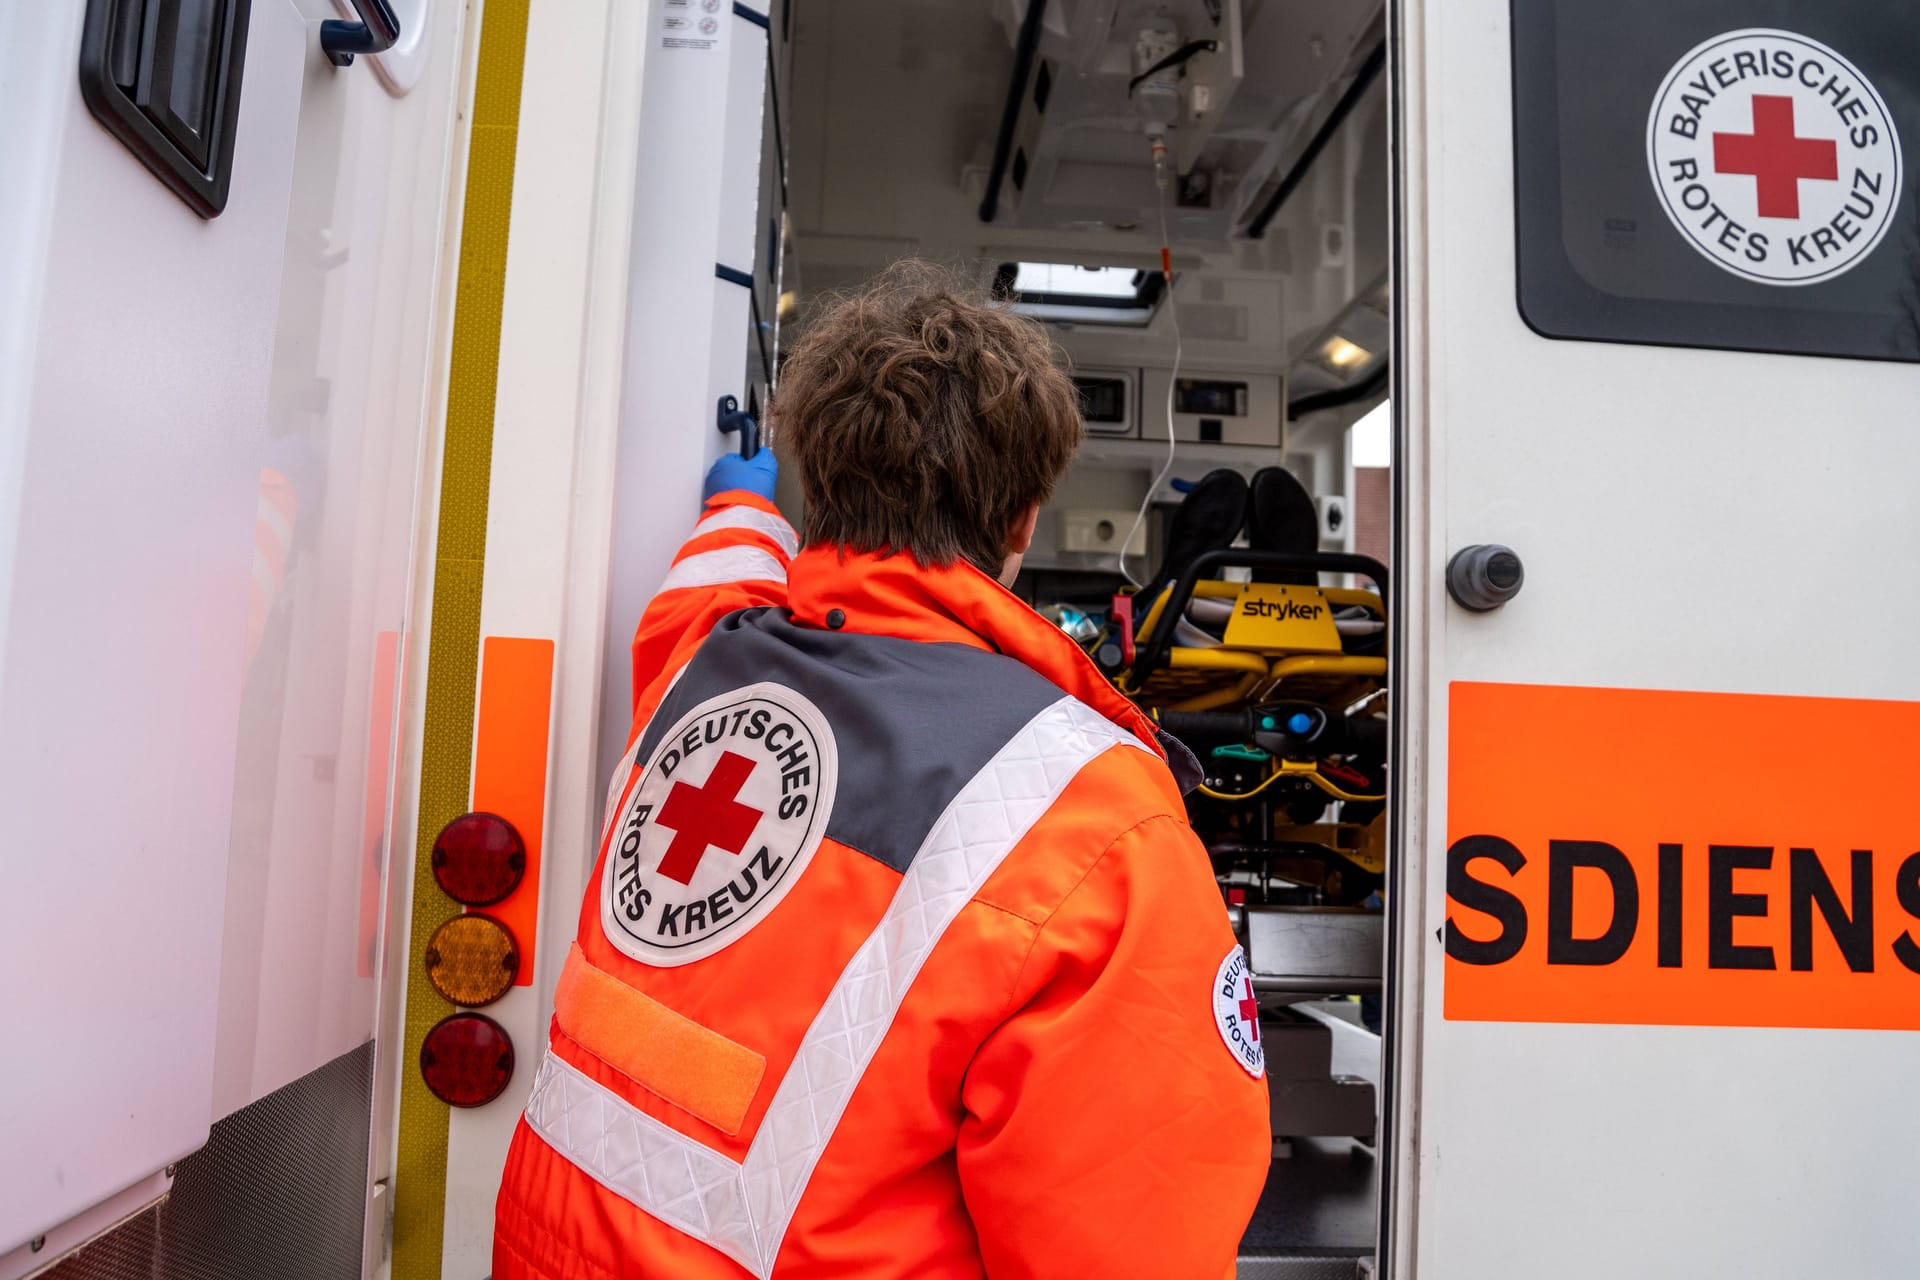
(1564, 857)
(1852, 930)
(1478, 895)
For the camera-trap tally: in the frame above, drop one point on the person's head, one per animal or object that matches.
(925, 418)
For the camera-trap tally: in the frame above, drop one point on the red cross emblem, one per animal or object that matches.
(1775, 157)
(707, 817)
(1250, 1011)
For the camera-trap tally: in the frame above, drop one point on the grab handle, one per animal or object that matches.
(376, 32)
(733, 418)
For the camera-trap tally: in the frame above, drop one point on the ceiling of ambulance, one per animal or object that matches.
(898, 108)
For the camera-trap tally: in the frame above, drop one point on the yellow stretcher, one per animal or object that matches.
(1223, 658)
(1284, 656)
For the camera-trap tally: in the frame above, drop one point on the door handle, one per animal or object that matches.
(733, 418)
(1482, 578)
(376, 32)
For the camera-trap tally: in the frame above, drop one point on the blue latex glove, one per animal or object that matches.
(756, 474)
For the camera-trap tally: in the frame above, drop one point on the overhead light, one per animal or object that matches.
(789, 303)
(1065, 280)
(1060, 292)
(1343, 355)
(1352, 347)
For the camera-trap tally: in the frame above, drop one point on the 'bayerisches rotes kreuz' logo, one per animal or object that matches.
(718, 826)
(1237, 1013)
(1775, 157)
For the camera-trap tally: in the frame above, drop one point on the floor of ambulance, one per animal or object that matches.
(1315, 1217)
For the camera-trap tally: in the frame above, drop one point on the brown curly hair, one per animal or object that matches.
(925, 418)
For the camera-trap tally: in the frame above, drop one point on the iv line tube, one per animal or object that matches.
(1173, 315)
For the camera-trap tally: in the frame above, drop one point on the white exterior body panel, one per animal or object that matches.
(1665, 504)
(130, 559)
(199, 814)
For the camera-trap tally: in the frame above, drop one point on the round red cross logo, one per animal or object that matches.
(1775, 157)
(1237, 1013)
(718, 826)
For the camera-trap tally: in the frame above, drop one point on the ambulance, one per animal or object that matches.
(360, 361)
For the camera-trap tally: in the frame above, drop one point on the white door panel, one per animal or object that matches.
(695, 215)
(353, 345)
(213, 441)
(124, 639)
(1688, 520)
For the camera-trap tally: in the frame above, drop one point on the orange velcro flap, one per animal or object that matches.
(666, 1053)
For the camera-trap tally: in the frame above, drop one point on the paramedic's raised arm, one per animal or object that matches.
(736, 558)
(1110, 1130)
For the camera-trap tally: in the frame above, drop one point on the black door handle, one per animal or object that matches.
(733, 418)
(376, 32)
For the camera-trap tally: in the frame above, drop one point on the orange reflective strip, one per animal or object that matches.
(374, 797)
(1678, 858)
(268, 549)
(510, 766)
(666, 1053)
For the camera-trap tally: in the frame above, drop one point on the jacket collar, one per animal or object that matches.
(897, 596)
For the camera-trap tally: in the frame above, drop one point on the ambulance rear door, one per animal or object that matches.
(1657, 900)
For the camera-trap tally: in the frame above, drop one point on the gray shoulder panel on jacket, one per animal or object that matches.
(913, 721)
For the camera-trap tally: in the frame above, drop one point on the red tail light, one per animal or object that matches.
(478, 858)
(466, 1060)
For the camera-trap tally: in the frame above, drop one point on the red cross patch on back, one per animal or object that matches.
(1236, 1010)
(718, 825)
(707, 817)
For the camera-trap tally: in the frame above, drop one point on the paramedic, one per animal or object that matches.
(899, 957)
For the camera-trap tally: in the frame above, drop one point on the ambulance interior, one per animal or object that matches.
(1017, 141)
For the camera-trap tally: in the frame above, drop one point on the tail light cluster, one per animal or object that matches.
(466, 1060)
(472, 959)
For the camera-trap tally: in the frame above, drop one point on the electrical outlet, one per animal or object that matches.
(1333, 246)
(1097, 531)
(1333, 516)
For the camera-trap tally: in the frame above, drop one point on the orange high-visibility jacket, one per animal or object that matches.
(899, 958)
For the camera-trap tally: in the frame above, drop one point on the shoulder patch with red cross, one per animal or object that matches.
(1237, 1012)
(718, 825)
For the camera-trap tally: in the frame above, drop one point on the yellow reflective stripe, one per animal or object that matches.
(466, 468)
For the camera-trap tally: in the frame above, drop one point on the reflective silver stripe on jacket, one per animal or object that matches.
(755, 520)
(743, 1209)
(728, 564)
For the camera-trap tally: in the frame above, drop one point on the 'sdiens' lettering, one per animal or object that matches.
(1708, 904)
